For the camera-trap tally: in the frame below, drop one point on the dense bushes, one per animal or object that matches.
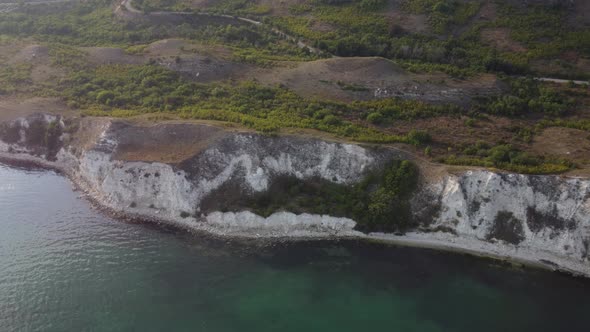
(149, 88)
(581, 124)
(443, 13)
(357, 32)
(527, 96)
(94, 24)
(14, 76)
(389, 109)
(352, 28)
(506, 157)
(378, 203)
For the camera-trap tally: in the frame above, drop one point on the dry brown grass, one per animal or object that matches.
(165, 142)
(12, 107)
(319, 79)
(500, 39)
(111, 55)
(572, 144)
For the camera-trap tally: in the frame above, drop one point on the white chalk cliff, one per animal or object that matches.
(531, 218)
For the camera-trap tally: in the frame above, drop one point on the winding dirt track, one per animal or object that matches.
(128, 5)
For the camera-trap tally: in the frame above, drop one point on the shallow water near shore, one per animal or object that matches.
(67, 267)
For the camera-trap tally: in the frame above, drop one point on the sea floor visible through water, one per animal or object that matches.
(66, 267)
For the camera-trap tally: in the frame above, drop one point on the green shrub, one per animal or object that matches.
(508, 158)
(375, 117)
(378, 203)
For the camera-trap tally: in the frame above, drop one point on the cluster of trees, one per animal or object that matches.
(378, 203)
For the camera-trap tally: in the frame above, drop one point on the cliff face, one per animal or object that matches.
(249, 162)
(548, 213)
(167, 171)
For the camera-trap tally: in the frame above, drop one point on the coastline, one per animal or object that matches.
(523, 256)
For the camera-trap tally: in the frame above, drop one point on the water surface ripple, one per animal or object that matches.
(66, 267)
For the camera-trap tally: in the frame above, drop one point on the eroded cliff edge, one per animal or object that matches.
(180, 173)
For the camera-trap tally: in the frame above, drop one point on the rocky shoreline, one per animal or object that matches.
(436, 241)
(536, 221)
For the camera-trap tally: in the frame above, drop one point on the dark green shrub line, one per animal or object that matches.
(379, 203)
(580, 124)
(527, 96)
(508, 158)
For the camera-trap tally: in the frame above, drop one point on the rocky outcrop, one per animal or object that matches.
(167, 171)
(542, 213)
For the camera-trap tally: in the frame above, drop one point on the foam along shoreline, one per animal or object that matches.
(342, 229)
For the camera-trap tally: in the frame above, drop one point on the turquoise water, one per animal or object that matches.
(66, 267)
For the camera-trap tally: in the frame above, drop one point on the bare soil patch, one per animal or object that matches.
(448, 131)
(13, 107)
(202, 63)
(42, 70)
(43, 73)
(111, 55)
(31, 53)
(572, 144)
(413, 23)
(500, 39)
(164, 142)
(568, 64)
(347, 79)
(320, 26)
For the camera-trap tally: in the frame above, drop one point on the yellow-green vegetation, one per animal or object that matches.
(14, 76)
(67, 56)
(149, 88)
(452, 44)
(136, 49)
(443, 14)
(528, 96)
(378, 203)
(506, 157)
(94, 24)
(542, 29)
(159, 5)
(241, 7)
(344, 28)
(581, 124)
(387, 110)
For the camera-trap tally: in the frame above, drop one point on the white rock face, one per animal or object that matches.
(173, 192)
(509, 215)
(138, 187)
(281, 224)
(545, 212)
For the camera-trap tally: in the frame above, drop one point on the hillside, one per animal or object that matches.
(452, 81)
